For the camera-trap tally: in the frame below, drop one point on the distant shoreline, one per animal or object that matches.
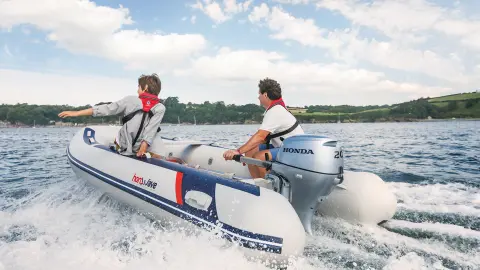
(461, 107)
(232, 124)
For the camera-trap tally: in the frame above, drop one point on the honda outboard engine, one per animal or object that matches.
(307, 168)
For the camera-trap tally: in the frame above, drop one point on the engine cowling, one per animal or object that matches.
(309, 167)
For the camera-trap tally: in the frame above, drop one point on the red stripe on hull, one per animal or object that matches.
(178, 188)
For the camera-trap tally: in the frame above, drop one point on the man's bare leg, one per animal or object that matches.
(255, 171)
(251, 168)
(260, 171)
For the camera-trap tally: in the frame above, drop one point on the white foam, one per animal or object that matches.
(411, 261)
(436, 227)
(438, 198)
(79, 233)
(363, 239)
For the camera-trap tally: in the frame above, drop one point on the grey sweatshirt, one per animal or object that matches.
(128, 131)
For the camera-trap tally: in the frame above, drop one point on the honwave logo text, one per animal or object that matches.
(139, 180)
(298, 151)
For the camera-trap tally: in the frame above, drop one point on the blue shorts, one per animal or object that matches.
(273, 150)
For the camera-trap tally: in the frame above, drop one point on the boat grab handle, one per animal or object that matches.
(253, 161)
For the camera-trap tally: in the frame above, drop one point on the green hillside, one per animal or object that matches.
(457, 97)
(464, 105)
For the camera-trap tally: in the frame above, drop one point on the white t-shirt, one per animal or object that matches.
(278, 119)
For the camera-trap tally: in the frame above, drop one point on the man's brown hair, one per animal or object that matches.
(152, 81)
(271, 87)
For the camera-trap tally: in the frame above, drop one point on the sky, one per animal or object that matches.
(322, 52)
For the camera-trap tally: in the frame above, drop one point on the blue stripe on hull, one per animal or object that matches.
(195, 216)
(205, 177)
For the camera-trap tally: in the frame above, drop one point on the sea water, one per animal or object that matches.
(50, 219)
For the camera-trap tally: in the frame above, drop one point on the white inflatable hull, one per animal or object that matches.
(258, 219)
(363, 197)
(204, 194)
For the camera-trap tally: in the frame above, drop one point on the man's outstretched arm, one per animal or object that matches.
(254, 141)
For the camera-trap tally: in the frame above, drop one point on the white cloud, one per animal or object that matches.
(218, 14)
(398, 19)
(467, 31)
(84, 27)
(390, 17)
(287, 27)
(232, 7)
(139, 49)
(252, 65)
(391, 55)
(48, 88)
(258, 13)
(294, 2)
(215, 12)
(231, 76)
(347, 45)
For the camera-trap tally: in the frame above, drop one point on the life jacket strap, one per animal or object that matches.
(129, 117)
(290, 129)
(140, 128)
(271, 136)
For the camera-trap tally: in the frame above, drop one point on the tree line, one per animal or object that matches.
(203, 113)
(220, 113)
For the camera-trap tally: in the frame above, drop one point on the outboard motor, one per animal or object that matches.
(307, 168)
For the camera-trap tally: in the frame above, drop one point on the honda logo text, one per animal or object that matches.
(298, 151)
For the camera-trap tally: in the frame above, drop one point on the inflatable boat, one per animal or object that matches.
(192, 184)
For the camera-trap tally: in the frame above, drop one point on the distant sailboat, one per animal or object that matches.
(34, 124)
(178, 117)
(194, 121)
(338, 118)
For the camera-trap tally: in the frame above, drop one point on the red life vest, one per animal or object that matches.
(277, 102)
(148, 101)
